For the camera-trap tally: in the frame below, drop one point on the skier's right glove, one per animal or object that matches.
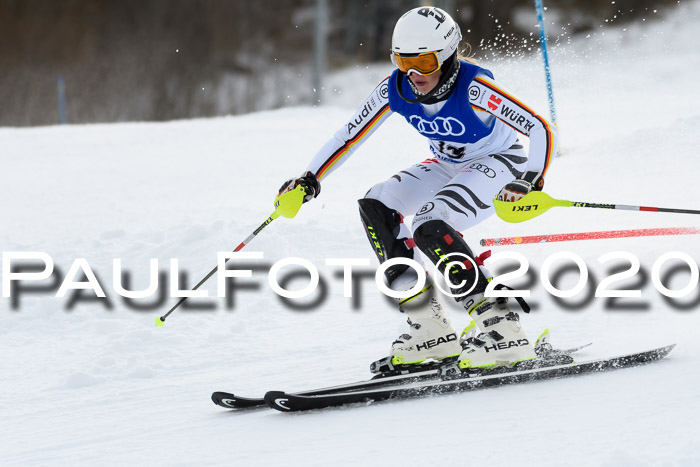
(308, 180)
(296, 191)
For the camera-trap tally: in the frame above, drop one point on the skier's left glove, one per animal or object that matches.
(518, 188)
(296, 191)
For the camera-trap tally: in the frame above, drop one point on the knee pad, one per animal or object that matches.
(382, 226)
(437, 239)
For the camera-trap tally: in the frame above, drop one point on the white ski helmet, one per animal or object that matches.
(424, 31)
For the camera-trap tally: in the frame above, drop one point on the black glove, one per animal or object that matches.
(515, 190)
(308, 180)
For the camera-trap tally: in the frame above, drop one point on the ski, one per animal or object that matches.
(232, 401)
(465, 382)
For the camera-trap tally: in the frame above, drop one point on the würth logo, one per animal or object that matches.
(494, 102)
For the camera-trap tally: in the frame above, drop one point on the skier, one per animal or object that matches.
(472, 125)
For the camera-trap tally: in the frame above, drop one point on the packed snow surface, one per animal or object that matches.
(93, 382)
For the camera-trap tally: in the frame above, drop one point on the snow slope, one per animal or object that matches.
(87, 381)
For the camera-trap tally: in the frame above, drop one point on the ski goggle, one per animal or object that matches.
(426, 63)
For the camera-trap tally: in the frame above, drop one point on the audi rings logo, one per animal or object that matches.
(442, 126)
(488, 171)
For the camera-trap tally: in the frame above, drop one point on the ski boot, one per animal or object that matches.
(430, 341)
(501, 342)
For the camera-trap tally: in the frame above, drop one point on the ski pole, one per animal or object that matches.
(293, 200)
(545, 57)
(604, 234)
(160, 321)
(537, 202)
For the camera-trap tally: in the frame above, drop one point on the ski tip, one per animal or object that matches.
(663, 351)
(278, 400)
(217, 397)
(225, 399)
(656, 354)
(232, 401)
